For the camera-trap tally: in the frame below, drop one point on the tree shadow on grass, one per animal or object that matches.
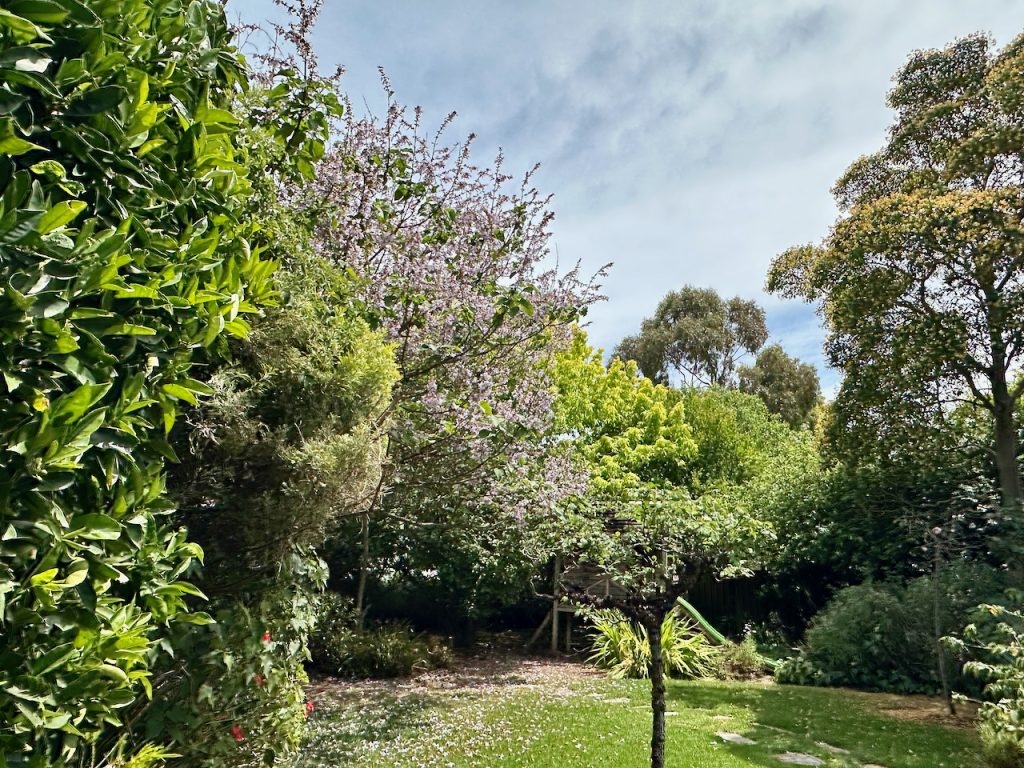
(842, 728)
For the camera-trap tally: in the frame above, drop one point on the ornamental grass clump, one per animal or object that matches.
(624, 648)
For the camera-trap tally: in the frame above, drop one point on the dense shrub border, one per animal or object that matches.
(123, 249)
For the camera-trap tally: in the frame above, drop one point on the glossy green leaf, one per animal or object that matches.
(77, 402)
(97, 100)
(15, 145)
(95, 526)
(59, 216)
(39, 11)
(21, 29)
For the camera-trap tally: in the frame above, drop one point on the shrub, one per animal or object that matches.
(881, 636)
(233, 693)
(289, 439)
(741, 661)
(624, 649)
(996, 641)
(861, 639)
(335, 629)
(340, 648)
(123, 252)
(394, 650)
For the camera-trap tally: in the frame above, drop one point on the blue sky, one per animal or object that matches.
(688, 142)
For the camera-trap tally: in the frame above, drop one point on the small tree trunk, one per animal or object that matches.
(555, 581)
(947, 692)
(657, 672)
(364, 567)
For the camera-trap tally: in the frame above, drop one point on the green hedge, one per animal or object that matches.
(122, 251)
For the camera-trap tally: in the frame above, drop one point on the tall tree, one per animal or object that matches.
(697, 334)
(921, 280)
(788, 387)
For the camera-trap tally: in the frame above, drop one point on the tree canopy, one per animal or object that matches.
(787, 386)
(636, 515)
(921, 281)
(698, 335)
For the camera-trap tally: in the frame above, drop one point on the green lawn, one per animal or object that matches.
(588, 722)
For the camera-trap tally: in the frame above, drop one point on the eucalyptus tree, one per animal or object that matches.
(698, 335)
(787, 386)
(921, 280)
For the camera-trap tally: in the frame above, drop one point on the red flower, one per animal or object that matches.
(266, 637)
(238, 733)
(309, 708)
(260, 680)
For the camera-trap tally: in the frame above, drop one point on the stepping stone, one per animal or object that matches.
(834, 750)
(799, 758)
(734, 738)
(774, 728)
(616, 701)
(722, 717)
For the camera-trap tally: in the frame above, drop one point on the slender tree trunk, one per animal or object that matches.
(947, 692)
(657, 671)
(364, 567)
(555, 581)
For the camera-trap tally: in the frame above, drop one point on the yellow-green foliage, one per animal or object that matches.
(630, 431)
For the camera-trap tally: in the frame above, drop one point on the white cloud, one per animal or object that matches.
(689, 142)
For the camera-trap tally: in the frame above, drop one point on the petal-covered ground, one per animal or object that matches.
(536, 713)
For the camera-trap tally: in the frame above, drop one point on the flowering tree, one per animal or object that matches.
(455, 268)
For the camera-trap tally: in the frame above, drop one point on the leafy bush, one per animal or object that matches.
(335, 629)
(123, 251)
(881, 636)
(340, 648)
(233, 693)
(394, 650)
(861, 639)
(996, 641)
(289, 439)
(624, 649)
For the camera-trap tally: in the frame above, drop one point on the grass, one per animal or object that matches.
(585, 722)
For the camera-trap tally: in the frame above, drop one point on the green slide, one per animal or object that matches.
(713, 634)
